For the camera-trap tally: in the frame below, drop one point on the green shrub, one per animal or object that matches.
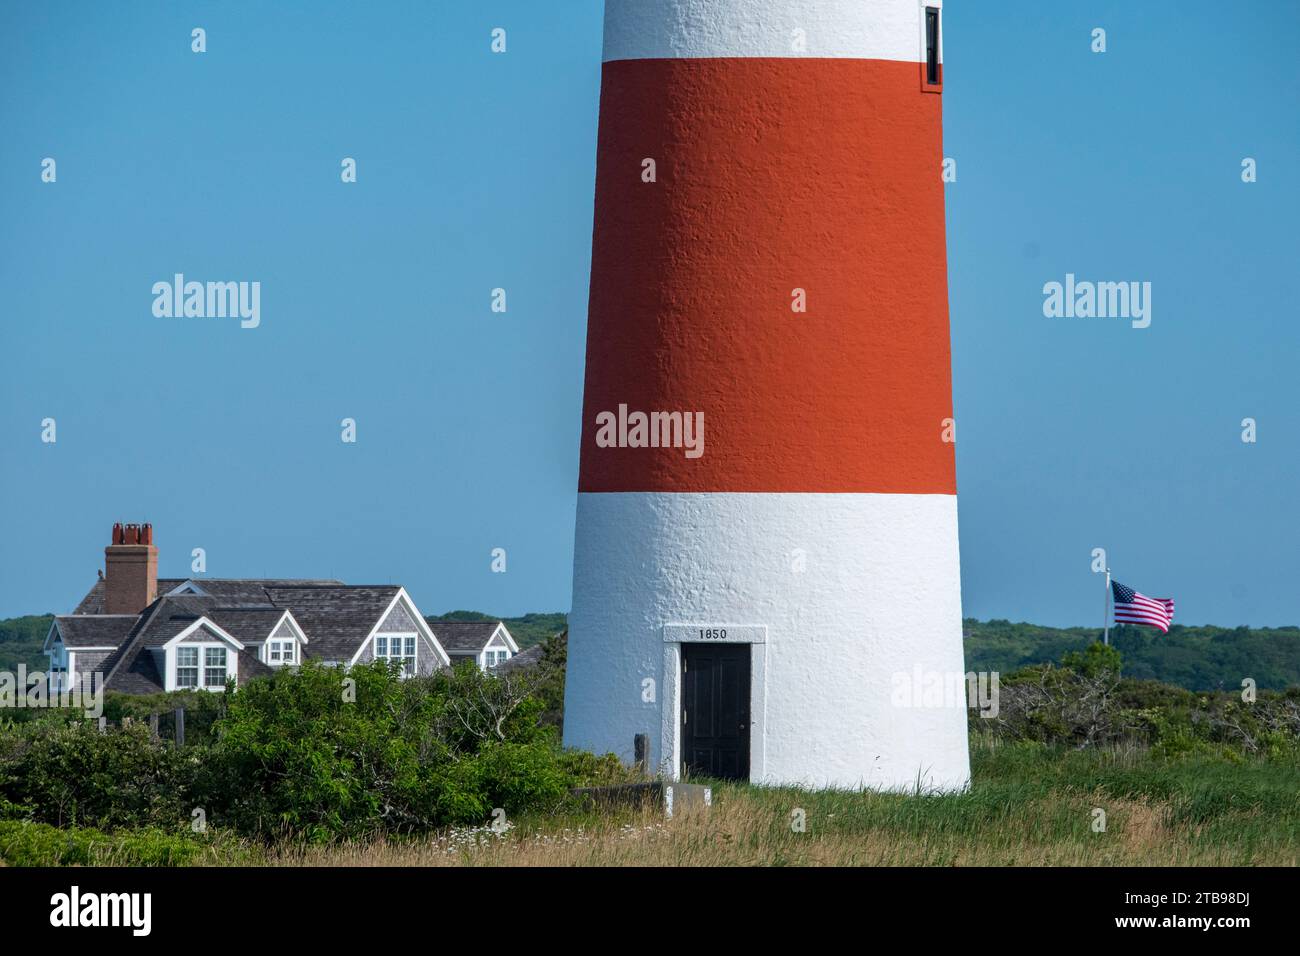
(519, 777)
(314, 753)
(1094, 660)
(1085, 703)
(71, 774)
(202, 711)
(23, 843)
(593, 770)
(321, 753)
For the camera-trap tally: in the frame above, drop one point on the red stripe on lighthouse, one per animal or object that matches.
(772, 174)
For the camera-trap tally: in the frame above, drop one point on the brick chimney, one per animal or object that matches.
(130, 569)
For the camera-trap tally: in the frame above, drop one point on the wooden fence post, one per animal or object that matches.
(153, 726)
(103, 724)
(180, 726)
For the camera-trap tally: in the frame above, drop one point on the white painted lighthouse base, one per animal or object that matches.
(849, 602)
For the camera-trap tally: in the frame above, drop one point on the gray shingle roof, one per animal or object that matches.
(250, 666)
(94, 630)
(244, 591)
(138, 674)
(525, 659)
(232, 590)
(93, 602)
(132, 667)
(463, 636)
(247, 625)
(335, 618)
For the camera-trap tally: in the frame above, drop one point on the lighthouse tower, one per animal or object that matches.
(766, 576)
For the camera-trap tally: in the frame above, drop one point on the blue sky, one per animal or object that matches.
(476, 171)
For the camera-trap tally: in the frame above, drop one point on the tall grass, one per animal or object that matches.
(1029, 805)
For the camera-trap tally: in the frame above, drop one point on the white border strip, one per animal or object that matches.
(854, 29)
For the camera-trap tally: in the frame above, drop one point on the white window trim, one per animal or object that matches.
(197, 668)
(422, 628)
(173, 665)
(221, 637)
(225, 664)
(500, 640)
(278, 647)
(388, 637)
(497, 659)
(297, 637)
(504, 633)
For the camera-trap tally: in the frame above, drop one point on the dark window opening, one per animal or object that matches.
(932, 46)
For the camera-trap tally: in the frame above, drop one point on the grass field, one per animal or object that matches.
(1029, 805)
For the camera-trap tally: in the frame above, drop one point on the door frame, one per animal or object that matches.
(675, 635)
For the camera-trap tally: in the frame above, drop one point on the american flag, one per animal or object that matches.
(1133, 607)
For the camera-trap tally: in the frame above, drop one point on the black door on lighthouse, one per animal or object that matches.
(715, 710)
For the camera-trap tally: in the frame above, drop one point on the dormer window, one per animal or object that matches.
(214, 667)
(187, 667)
(397, 647)
(283, 652)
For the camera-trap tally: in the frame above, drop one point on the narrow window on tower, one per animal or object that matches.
(932, 68)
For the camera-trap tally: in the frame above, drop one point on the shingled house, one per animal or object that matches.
(147, 634)
(487, 643)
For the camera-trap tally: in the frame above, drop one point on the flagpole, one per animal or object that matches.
(1105, 611)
